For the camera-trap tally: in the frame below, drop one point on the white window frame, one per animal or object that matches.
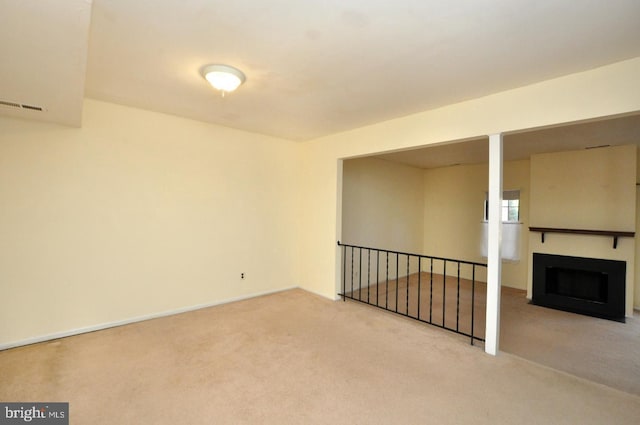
(511, 230)
(507, 195)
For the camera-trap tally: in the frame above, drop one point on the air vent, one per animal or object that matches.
(33, 108)
(5, 103)
(20, 105)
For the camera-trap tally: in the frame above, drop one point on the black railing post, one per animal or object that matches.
(431, 292)
(407, 303)
(360, 276)
(408, 300)
(458, 302)
(352, 271)
(444, 291)
(368, 273)
(473, 298)
(419, 283)
(386, 292)
(397, 278)
(377, 277)
(344, 272)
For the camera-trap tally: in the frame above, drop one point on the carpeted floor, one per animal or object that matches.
(294, 357)
(600, 350)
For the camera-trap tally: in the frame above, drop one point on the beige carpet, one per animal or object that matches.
(600, 350)
(294, 357)
(432, 299)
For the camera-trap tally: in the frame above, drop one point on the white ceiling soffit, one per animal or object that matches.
(614, 131)
(43, 51)
(313, 67)
(319, 67)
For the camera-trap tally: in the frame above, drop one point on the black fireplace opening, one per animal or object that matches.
(590, 286)
(580, 284)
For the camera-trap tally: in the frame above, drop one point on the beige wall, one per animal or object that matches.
(436, 212)
(589, 189)
(137, 213)
(600, 92)
(454, 200)
(636, 289)
(636, 292)
(382, 205)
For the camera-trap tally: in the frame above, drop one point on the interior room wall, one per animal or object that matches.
(591, 189)
(138, 213)
(454, 212)
(636, 291)
(587, 189)
(382, 205)
(636, 286)
(570, 98)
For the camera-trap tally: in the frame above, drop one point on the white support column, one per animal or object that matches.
(494, 254)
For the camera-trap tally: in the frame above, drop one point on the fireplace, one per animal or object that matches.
(591, 286)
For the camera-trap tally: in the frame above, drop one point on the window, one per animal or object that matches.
(510, 206)
(510, 227)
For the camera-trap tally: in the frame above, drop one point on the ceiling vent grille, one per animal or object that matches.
(21, 106)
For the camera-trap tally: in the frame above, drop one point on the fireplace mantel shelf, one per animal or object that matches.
(615, 234)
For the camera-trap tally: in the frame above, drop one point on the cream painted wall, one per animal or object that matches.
(397, 207)
(636, 291)
(454, 200)
(589, 189)
(382, 205)
(636, 288)
(137, 213)
(604, 91)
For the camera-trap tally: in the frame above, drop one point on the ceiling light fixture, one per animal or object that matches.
(223, 77)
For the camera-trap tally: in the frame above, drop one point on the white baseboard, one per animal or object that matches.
(93, 328)
(333, 298)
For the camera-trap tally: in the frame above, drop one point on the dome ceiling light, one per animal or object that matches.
(223, 77)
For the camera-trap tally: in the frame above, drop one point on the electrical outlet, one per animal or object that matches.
(241, 275)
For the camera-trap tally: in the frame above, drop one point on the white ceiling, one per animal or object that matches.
(613, 131)
(43, 59)
(313, 67)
